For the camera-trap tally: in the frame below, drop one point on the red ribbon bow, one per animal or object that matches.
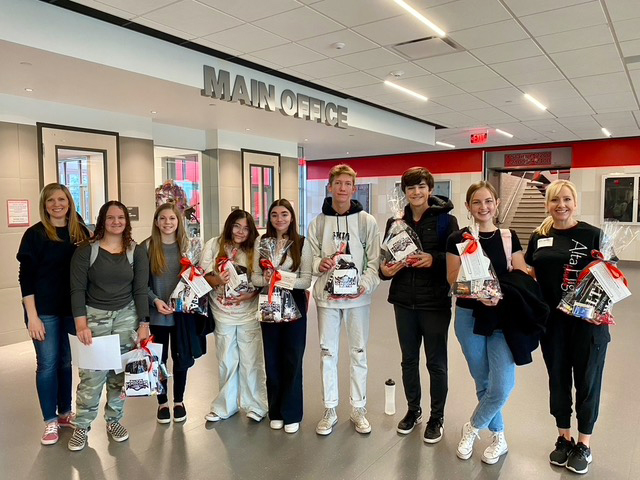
(275, 278)
(195, 270)
(615, 271)
(473, 243)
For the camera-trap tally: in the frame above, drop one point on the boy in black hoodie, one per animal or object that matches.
(420, 297)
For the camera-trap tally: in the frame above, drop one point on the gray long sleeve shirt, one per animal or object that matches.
(163, 285)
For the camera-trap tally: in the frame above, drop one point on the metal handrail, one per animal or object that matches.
(511, 200)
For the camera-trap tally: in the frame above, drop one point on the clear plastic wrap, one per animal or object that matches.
(190, 294)
(276, 301)
(143, 372)
(600, 284)
(239, 281)
(476, 277)
(343, 280)
(401, 240)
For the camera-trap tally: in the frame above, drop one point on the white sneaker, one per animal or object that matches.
(497, 448)
(329, 419)
(276, 424)
(465, 447)
(212, 417)
(256, 417)
(291, 427)
(359, 420)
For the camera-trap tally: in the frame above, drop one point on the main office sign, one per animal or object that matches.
(258, 94)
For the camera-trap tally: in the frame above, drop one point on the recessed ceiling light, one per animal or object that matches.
(247, 129)
(535, 102)
(28, 89)
(347, 153)
(339, 45)
(406, 90)
(153, 112)
(306, 139)
(502, 132)
(442, 144)
(422, 18)
(397, 73)
(606, 132)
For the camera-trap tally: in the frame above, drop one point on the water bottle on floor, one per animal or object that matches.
(390, 397)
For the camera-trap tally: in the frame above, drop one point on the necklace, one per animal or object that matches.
(490, 236)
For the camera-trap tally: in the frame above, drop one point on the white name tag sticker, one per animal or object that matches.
(545, 242)
(613, 287)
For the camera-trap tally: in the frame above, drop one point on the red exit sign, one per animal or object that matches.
(479, 138)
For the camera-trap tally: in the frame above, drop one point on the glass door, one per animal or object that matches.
(261, 185)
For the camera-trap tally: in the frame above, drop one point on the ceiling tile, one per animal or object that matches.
(483, 84)
(324, 68)
(378, 57)
(288, 55)
(563, 19)
(518, 130)
(527, 7)
(391, 31)
(507, 51)
(627, 29)
(548, 91)
(350, 80)
(589, 61)
(462, 102)
(523, 65)
(297, 74)
(193, 18)
(324, 44)
(464, 14)
(534, 76)
(489, 115)
(526, 111)
(261, 61)
(601, 84)
(492, 34)
(576, 39)
(357, 12)
(453, 119)
(246, 38)
(444, 90)
(631, 47)
(580, 121)
(217, 46)
(502, 96)
(421, 82)
(569, 107)
(139, 7)
(468, 74)
(445, 63)
(422, 108)
(376, 90)
(249, 10)
(122, 13)
(164, 28)
(299, 24)
(623, 9)
(409, 69)
(620, 119)
(611, 101)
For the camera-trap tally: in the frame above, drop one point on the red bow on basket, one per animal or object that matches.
(615, 271)
(275, 278)
(473, 243)
(195, 270)
(144, 345)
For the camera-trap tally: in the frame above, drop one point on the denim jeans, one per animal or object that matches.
(492, 368)
(53, 366)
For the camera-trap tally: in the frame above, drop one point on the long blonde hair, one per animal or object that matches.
(157, 259)
(76, 231)
(553, 189)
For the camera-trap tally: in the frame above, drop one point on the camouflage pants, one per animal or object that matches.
(123, 322)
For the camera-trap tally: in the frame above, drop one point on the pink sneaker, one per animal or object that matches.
(67, 420)
(50, 435)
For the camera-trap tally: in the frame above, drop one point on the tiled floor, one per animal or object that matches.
(239, 449)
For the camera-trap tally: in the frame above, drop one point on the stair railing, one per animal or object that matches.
(515, 193)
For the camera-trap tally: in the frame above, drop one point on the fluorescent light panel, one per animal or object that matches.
(502, 132)
(422, 18)
(606, 132)
(406, 90)
(442, 144)
(535, 102)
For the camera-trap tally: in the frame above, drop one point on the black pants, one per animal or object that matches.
(574, 352)
(413, 327)
(284, 345)
(162, 335)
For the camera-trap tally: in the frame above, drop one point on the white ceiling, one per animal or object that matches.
(581, 58)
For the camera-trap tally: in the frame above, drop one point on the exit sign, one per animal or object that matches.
(478, 138)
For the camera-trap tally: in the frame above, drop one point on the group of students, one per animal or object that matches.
(118, 287)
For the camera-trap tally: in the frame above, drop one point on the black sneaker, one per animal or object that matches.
(179, 413)
(561, 453)
(163, 415)
(435, 429)
(410, 420)
(579, 458)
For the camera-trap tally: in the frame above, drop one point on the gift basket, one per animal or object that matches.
(190, 294)
(239, 282)
(600, 284)
(343, 279)
(476, 277)
(401, 240)
(276, 301)
(143, 371)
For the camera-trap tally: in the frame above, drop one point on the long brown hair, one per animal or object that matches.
(98, 234)
(77, 232)
(226, 239)
(295, 252)
(157, 259)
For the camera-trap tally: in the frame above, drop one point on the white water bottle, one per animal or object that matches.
(390, 397)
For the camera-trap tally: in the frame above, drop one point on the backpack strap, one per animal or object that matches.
(95, 249)
(505, 235)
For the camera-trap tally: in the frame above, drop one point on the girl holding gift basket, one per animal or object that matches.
(227, 261)
(574, 349)
(284, 341)
(45, 255)
(109, 283)
(483, 327)
(167, 246)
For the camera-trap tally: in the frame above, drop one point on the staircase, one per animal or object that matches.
(529, 213)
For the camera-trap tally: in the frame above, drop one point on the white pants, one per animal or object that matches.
(356, 321)
(242, 380)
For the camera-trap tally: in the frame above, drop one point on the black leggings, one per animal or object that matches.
(161, 335)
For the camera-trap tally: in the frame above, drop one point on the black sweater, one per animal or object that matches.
(425, 288)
